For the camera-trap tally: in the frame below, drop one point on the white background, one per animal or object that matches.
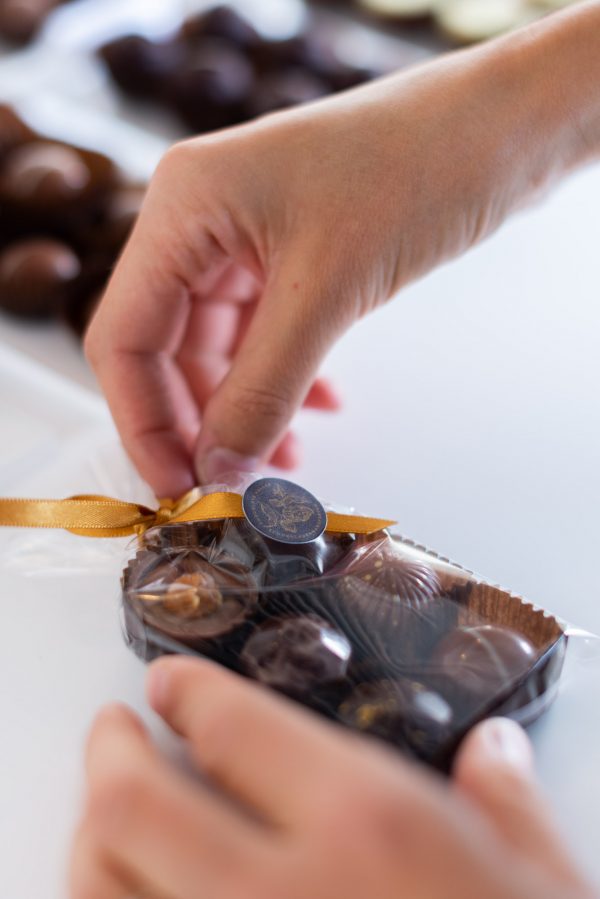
(471, 416)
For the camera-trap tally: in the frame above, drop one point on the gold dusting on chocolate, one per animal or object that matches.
(193, 595)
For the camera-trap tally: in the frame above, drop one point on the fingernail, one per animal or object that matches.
(505, 742)
(218, 461)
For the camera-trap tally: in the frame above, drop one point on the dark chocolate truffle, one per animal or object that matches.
(12, 130)
(213, 88)
(478, 663)
(43, 173)
(296, 655)
(280, 90)
(119, 216)
(142, 67)
(404, 712)
(21, 19)
(223, 22)
(194, 596)
(36, 277)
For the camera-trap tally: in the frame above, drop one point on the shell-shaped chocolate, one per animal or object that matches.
(383, 576)
(389, 606)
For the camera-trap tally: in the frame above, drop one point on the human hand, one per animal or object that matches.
(258, 247)
(291, 806)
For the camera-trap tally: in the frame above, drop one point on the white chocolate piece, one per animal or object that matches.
(398, 9)
(470, 21)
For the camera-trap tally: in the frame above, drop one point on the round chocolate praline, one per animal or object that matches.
(21, 19)
(196, 597)
(211, 91)
(43, 173)
(142, 67)
(405, 712)
(296, 655)
(280, 90)
(36, 277)
(224, 22)
(476, 664)
(13, 131)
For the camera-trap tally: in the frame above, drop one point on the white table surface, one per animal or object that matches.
(471, 416)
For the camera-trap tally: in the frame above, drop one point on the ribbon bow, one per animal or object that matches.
(101, 516)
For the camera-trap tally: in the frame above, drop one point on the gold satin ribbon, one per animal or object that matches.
(101, 516)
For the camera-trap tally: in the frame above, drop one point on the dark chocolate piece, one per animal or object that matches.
(404, 712)
(475, 664)
(140, 66)
(296, 655)
(194, 596)
(118, 217)
(280, 90)
(13, 131)
(391, 607)
(36, 277)
(42, 174)
(223, 22)
(20, 20)
(212, 89)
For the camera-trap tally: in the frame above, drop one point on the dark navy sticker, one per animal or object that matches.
(284, 511)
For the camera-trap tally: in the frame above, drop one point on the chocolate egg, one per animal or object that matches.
(212, 90)
(405, 712)
(296, 655)
(476, 664)
(36, 277)
(43, 173)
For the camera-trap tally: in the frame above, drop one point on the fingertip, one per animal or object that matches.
(323, 395)
(166, 676)
(492, 744)
(112, 721)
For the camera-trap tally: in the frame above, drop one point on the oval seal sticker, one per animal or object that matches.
(284, 511)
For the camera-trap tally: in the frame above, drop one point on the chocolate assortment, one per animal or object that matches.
(369, 630)
(66, 214)
(219, 71)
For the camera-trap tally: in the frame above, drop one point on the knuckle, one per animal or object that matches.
(259, 403)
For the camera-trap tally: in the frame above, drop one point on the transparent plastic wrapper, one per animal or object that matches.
(370, 630)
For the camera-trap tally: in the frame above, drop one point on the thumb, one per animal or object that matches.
(495, 769)
(290, 333)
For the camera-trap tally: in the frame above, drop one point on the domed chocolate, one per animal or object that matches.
(296, 655)
(36, 277)
(193, 596)
(21, 19)
(42, 173)
(280, 90)
(478, 663)
(118, 216)
(404, 712)
(211, 91)
(223, 22)
(13, 131)
(391, 607)
(142, 67)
